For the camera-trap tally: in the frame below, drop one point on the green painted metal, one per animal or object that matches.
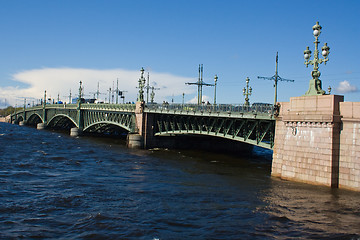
(254, 131)
(58, 115)
(315, 82)
(122, 119)
(142, 81)
(79, 112)
(247, 92)
(215, 83)
(251, 124)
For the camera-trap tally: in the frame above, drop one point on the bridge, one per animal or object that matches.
(315, 137)
(254, 124)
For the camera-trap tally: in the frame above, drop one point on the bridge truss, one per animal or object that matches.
(254, 131)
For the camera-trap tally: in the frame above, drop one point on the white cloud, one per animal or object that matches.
(204, 98)
(345, 87)
(60, 80)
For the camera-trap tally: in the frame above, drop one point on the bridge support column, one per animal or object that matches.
(135, 140)
(307, 140)
(22, 123)
(41, 126)
(74, 132)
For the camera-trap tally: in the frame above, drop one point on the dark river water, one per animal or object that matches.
(56, 187)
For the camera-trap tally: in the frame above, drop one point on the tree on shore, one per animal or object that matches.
(7, 111)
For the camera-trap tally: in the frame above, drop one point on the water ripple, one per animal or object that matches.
(81, 188)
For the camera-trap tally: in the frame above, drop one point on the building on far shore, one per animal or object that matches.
(5, 119)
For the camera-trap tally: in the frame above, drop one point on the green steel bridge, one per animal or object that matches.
(253, 124)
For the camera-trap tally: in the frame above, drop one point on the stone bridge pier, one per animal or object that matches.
(317, 141)
(144, 125)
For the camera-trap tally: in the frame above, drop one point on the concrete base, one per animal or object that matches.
(41, 126)
(74, 132)
(135, 140)
(22, 123)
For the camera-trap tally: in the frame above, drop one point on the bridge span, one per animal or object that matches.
(146, 123)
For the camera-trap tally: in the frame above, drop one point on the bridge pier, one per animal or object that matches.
(135, 141)
(41, 126)
(75, 132)
(22, 123)
(307, 140)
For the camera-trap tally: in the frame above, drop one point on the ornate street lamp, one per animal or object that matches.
(215, 80)
(80, 95)
(315, 82)
(247, 92)
(142, 81)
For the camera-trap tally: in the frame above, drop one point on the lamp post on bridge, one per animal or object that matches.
(315, 82)
(142, 81)
(247, 92)
(79, 117)
(79, 97)
(215, 80)
(44, 113)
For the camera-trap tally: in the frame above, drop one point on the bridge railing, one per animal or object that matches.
(66, 106)
(109, 107)
(266, 109)
(88, 106)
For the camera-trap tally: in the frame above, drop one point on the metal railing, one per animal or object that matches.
(208, 108)
(105, 106)
(87, 106)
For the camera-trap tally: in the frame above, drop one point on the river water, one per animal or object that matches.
(56, 187)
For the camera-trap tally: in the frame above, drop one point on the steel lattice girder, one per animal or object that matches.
(122, 119)
(253, 131)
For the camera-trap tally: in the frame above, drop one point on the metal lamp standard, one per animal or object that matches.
(247, 92)
(215, 80)
(142, 81)
(315, 82)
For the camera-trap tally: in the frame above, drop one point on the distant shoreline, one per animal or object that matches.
(4, 119)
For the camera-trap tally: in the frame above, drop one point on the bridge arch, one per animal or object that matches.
(106, 127)
(19, 119)
(34, 119)
(62, 121)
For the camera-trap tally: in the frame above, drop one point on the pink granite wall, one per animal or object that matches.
(349, 165)
(139, 113)
(307, 140)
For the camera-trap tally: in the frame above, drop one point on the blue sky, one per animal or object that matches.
(53, 45)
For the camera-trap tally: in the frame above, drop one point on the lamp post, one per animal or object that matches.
(152, 94)
(247, 92)
(44, 110)
(79, 97)
(215, 80)
(315, 82)
(142, 81)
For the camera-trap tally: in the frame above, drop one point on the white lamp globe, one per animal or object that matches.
(316, 32)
